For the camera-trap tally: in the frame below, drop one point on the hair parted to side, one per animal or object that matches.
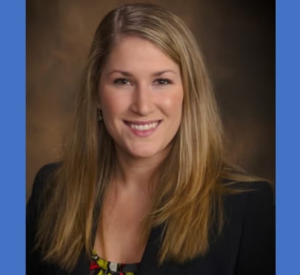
(187, 199)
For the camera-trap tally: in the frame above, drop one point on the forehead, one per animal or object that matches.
(139, 55)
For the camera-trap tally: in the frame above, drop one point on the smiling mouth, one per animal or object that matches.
(143, 126)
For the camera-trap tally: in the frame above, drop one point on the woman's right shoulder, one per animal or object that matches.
(42, 180)
(34, 208)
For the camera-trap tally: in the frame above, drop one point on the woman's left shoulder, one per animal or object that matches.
(251, 216)
(251, 203)
(263, 187)
(254, 192)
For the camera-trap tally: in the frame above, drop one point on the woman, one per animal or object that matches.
(144, 186)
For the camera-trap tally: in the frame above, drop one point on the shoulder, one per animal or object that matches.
(257, 223)
(260, 193)
(257, 192)
(254, 209)
(245, 246)
(42, 177)
(252, 205)
(250, 228)
(41, 184)
(34, 208)
(258, 203)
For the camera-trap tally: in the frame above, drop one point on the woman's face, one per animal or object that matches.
(141, 95)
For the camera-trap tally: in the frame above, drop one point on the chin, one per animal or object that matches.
(143, 152)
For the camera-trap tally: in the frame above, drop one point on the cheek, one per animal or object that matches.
(112, 105)
(173, 105)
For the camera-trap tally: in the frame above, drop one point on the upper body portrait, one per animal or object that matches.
(144, 186)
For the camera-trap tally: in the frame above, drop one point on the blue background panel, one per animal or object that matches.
(12, 145)
(288, 136)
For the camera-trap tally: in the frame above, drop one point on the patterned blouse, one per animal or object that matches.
(99, 266)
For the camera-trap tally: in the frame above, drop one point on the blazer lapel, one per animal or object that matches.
(149, 264)
(83, 266)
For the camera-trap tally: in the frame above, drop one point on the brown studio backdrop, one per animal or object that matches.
(236, 37)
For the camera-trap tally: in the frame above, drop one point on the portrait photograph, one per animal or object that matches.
(150, 137)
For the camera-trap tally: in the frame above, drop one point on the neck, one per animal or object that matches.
(136, 174)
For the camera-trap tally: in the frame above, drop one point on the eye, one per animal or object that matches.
(162, 81)
(121, 81)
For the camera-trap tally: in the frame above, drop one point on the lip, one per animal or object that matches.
(141, 122)
(142, 133)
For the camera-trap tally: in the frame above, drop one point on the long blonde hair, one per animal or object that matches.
(188, 196)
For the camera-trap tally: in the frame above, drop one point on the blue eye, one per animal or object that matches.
(121, 81)
(162, 81)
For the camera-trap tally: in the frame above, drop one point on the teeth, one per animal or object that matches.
(144, 127)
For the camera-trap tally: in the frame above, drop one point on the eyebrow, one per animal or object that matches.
(128, 74)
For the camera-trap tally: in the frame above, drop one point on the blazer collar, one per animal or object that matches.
(149, 264)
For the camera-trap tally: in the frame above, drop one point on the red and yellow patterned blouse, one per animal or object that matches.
(99, 266)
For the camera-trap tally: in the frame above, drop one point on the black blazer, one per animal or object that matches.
(246, 246)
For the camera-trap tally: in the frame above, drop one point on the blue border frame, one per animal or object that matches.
(12, 145)
(288, 136)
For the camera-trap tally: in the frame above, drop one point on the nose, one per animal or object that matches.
(142, 103)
